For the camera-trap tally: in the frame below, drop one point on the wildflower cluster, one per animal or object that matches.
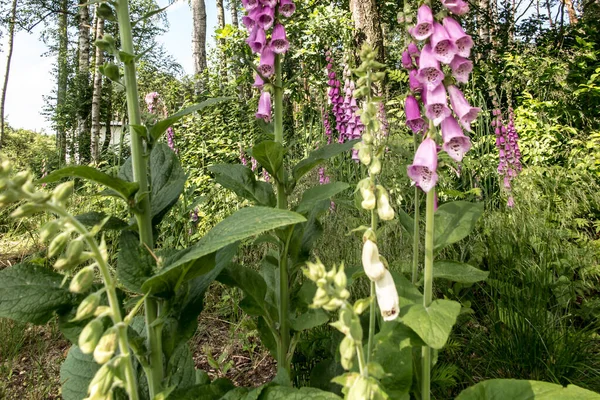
(444, 43)
(507, 143)
(267, 38)
(155, 106)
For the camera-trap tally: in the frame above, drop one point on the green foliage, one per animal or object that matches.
(524, 390)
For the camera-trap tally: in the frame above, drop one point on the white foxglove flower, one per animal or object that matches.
(387, 297)
(372, 265)
(384, 210)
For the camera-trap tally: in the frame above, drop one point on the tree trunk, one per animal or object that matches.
(199, 41)
(571, 11)
(550, 20)
(97, 95)
(82, 136)
(233, 5)
(11, 38)
(368, 27)
(108, 116)
(484, 9)
(221, 20)
(62, 78)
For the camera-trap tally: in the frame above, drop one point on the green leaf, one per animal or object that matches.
(455, 221)
(513, 389)
(76, 373)
(319, 193)
(251, 282)
(212, 391)
(135, 264)
(150, 14)
(241, 180)
(92, 218)
(309, 320)
(393, 352)
(458, 272)
(31, 293)
(242, 224)
(434, 323)
(167, 181)
(289, 393)
(322, 374)
(124, 188)
(161, 126)
(407, 222)
(319, 156)
(269, 154)
(181, 372)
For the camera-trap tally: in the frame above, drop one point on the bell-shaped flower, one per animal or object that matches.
(267, 62)
(264, 106)
(441, 44)
(456, 144)
(248, 22)
(465, 113)
(423, 169)
(268, 3)
(436, 104)
(286, 8)
(458, 7)
(407, 62)
(429, 73)
(413, 50)
(279, 42)
(257, 39)
(461, 68)
(424, 27)
(258, 82)
(250, 5)
(384, 210)
(374, 268)
(413, 115)
(462, 41)
(413, 82)
(266, 18)
(387, 297)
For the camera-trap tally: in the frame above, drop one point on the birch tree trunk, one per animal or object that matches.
(484, 33)
(11, 38)
(365, 16)
(571, 11)
(199, 41)
(97, 95)
(108, 116)
(233, 5)
(550, 20)
(221, 20)
(83, 85)
(62, 78)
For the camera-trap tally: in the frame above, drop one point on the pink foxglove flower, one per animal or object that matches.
(465, 113)
(279, 42)
(258, 82)
(461, 68)
(250, 5)
(462, 41)
(266, 18)
(423, 169)
(413, 81)
(413, 115)
(268, 3)
(407, 62)
(456, 144)
(424, 27)
(287, 8)
(429, 73)
(267, 62)
(387, 297)
(264, 106)
(413, 50)
(441, 44)
(458, 7)
(436, 105)
(257, 39)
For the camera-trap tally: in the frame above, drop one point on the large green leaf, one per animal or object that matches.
(394, 353)
(513, 389)
(181, 372)
(161, 126)
(76, 374)
(121, 186)
(455, 221)
(309, 320)
(269, 154)
(252, 284)
(319, 193)
(92, 218)
(289, 393)
(319, 156)
(434, 323)
(407, 222)
(216, 390)
(31, 293)
(167, 180)
(135, 264)
(241, 180)
(242, 224)
(458, 272)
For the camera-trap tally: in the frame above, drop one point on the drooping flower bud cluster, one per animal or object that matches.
(442, 42)
(507, 143)
(267, 38)
(155, 106)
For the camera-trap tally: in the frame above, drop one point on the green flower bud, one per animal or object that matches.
(103, 311)
(101, 385)
(87, 307)
(347, 352)
(75, 249)
(111, 71)
(9, 196)
(90, 335)
(62, 192)
(49, 230)
(360, 390)
(5, 167)
(384, 210)
(58, 244)
(333, 304)
(21, 178)
(367, 138)
(364, 155)
(26, 210)
(82, 281)
(340, 278)
(105, 11)
(106, 346)
(356, 330)
(369, 200)
(375, 167)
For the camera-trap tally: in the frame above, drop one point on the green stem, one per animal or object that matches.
(428, 290)
(372, 307)
(140, 175)
(113, 301)
(361, 360)
(415, 265)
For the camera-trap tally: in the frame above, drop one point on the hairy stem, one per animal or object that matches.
(427, 290)
(415, 264)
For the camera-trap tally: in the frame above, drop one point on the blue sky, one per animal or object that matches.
(31, 78)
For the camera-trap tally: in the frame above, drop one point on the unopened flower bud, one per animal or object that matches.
(103, 311)
(90, 335)
(58, 244)
(82, 281)
(347, 349)
(314, 271)
(387, 297)
(88, 307)
(21, 178)
(333, 304)
(26, 210)
(369, 200)
(340, 279)
(374, 268)
(101, 385)
(9, 196)
(106, 346)
(384, 210)
(62, 192)
(75, 249)
(364, 155)
(375, 167)
(49, 230)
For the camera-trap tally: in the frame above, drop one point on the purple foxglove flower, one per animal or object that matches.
(436, 105)
(511, 202)
(266, 18)
(248, 22)
(458, 7)
(424, 27)
(413, 115)
(465, 113)
(268, 3)
(267, 62)
(258, 82)
(413, 50)
(287, 8)
(257, 39)
(253, 164)
(407, 61)
(264, 106)
(443, 47)
(413, 81)
(429, 73)
(266, 175)
(279, 42)
(456, 144)
(250, 5)
(462, 41)
(461, 68)
(423, 169)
